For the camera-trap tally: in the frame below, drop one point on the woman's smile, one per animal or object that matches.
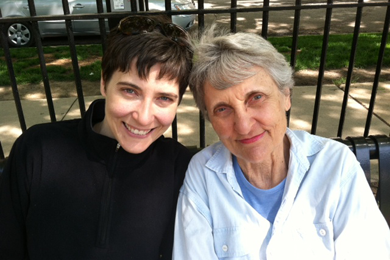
(252, 139)
(138, 132)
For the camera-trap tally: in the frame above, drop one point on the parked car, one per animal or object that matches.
(20, 35)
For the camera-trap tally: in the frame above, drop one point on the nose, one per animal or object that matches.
(243, 121)
(144, 114)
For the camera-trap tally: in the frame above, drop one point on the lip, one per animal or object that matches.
(137, 133)
(252, 139)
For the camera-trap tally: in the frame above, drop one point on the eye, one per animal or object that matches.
(257, 97)
(165, 100)
(129, 91)
(168, 99)
(222, 111)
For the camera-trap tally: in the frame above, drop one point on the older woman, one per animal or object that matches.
(265, 191)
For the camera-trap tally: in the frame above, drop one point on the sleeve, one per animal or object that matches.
(13, 205)
(360, 229)
(193, 227)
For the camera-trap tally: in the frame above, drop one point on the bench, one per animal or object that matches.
(372, 152)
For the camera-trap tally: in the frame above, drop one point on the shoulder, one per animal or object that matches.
(332, 158)
(311, 145)
(54, 129)
(170, 149)
(208, 153)
(209, 163)
(171, 145)
(47, 135)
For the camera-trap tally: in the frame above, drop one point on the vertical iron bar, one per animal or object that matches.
(264, 30)
(233, 17)
(102, 24)
(202, 131)
(294, 45)
(322, 67)
(146, 5)
(168, 5)
(141, 5)
(42, 62)
(202, 127)
(200, 16)
(133, 5)
(174, 128)
(75, 63)
(12, 78)
(350, 68)
(377, 71)
(1, 151)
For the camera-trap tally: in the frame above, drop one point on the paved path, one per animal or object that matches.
(312, 21)
(188, 126)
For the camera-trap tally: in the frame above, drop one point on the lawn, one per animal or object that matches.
(59, 65)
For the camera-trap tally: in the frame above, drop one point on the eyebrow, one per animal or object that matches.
(171, 95)
(128, 84)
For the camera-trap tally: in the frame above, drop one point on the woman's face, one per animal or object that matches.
(138, 111)
(249, 118)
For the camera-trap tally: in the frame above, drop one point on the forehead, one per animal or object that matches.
(261, 81)
(151, 81)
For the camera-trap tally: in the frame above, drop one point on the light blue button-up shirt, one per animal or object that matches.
(328, 210)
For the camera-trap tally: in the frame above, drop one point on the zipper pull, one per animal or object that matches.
(117, 147)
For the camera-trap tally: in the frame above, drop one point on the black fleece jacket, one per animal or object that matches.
(70, 193)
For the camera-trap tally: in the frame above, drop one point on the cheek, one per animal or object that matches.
(166, 116)
(117, 110)
(221, 128)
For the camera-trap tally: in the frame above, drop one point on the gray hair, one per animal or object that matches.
(225, 59)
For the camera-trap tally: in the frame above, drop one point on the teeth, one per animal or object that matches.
(136, 131)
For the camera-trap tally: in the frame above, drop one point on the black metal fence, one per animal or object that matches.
(265, 10)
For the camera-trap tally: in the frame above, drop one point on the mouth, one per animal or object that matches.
(252, 139)
(138, 131)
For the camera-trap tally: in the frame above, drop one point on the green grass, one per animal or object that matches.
(59, 67)
(338, 52)
(58, 64)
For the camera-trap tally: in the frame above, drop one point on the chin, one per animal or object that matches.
(135, 149)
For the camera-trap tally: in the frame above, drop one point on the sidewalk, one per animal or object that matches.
(35, 111)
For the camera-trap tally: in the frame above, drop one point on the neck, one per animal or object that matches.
(268, 173)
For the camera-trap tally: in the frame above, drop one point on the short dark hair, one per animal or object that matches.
(148, 49)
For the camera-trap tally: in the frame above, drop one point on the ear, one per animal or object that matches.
(102, 86)
(287, 99)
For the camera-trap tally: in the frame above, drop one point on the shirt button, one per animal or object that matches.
(322, 232)
(225, 248)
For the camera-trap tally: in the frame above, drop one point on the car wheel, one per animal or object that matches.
(19, 35)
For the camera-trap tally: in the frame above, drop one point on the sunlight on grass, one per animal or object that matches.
(60, 68)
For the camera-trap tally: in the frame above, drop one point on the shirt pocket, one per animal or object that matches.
(231, 243)
(318, 239)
